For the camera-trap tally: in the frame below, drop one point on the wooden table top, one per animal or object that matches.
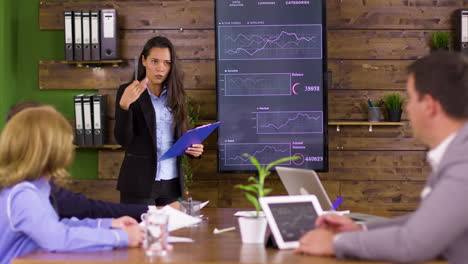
(208, 248)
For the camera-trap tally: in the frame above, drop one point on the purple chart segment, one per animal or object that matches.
(270, 42)
(290, 122)
(263, 152)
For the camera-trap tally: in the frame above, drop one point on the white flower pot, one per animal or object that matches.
(252, 229)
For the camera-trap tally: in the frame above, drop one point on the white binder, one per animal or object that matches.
(95, 46)
(79, 129)
(78, 36)
(86, 36)
(68, 15)
(88, 120)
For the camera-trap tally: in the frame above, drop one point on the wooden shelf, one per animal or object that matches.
(364, 123)
(79, 64)
(116, 147)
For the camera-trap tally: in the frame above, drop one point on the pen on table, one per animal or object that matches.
(136, 68)
(337, 202)
(218, 231)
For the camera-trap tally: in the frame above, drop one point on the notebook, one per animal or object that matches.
(301, 181)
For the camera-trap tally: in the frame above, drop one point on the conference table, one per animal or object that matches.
(208, 248)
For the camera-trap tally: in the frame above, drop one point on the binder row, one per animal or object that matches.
(90, 119)
(91, 35)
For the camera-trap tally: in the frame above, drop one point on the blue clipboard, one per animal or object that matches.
(193, 136)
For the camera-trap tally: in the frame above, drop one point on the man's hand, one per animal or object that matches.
(136, 234)
(336, 223)
(123, 221)
(318, 242)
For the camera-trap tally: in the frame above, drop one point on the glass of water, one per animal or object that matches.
(192, 207)
(156, 233)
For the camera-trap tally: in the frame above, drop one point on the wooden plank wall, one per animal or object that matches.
(370, 44)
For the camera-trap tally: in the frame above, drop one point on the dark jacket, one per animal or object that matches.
(70, 204)
(135, 131)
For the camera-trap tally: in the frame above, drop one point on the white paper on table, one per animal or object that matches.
(249, 213)
(345, 212)
(203, 204)
(174, 239)
(178, 219)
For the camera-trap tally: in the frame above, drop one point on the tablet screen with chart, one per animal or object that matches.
(293, 219)
(271, 88)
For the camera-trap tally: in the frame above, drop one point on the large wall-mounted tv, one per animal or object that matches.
(271, 65)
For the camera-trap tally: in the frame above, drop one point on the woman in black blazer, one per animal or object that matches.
(150, 115)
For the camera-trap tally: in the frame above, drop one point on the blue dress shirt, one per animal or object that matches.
(167, 169)
(29, 222)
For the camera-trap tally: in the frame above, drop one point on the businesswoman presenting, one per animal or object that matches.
(150, 115)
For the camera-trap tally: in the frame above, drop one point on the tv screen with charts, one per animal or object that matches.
(271, 66)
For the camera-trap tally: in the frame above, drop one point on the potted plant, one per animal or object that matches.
(394, 104)
(193, 117)
(440, 40)
(253, 228)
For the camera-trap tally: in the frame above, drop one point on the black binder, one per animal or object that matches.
(88, 120)
(86, 36)
(68, 16)
(109, 36)
(78, 36)
(95, 47)
(99, 119)
(79, 121)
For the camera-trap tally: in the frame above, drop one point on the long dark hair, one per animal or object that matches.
(175, 89)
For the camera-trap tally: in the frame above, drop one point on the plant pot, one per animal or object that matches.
(394, 115)
(440, 49)
(373, 114)
(252, 229)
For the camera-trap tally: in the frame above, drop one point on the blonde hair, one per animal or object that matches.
(35, 142)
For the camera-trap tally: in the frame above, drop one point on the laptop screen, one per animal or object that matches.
(301, 181)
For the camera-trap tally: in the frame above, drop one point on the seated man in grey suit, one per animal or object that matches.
(438, 110)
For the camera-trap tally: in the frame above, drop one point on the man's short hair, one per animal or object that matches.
(444, 76)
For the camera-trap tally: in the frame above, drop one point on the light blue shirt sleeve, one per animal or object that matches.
(88, 222)
(29, 214)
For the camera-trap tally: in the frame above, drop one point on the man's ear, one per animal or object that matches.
(431, 106)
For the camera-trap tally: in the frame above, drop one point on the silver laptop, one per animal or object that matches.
(300, 182)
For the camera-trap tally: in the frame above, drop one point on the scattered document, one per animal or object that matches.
(345, 212)
(249, 213)
(177, 219)
(203, 204)
(174, 239)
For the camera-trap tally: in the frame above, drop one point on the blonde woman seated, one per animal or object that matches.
(36, 146)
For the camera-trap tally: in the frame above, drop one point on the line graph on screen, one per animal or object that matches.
(270, 42)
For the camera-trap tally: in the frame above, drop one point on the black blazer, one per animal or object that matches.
(135, 131)
(70, 204)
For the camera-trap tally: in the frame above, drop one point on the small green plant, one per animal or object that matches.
(394, 101)
(440, 40)
(256, 188)
(193, 116)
